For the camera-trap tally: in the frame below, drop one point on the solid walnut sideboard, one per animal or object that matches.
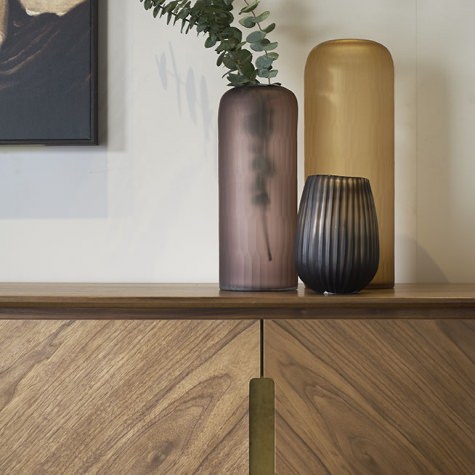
(151, 378)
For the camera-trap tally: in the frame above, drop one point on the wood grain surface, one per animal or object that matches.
(206, 301)
(125, 397)
(373, 396)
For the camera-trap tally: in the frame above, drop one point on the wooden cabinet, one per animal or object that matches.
(125, 397)
(373, 396)
(154, 379)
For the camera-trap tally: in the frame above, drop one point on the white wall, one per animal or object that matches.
(142, 206)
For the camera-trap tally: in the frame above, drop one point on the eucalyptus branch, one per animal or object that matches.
(215, 19)
(260, 28)
(269, 28)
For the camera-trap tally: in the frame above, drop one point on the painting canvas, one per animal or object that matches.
(48, 71)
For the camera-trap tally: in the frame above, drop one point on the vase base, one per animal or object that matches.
(256, 289)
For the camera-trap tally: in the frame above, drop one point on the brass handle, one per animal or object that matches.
(261, 426)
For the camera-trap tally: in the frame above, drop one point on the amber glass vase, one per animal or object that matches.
(257, 188)
(349, 126)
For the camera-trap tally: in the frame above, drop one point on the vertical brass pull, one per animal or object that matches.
(261, 427)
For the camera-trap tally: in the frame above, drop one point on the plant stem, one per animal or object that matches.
(266, 233)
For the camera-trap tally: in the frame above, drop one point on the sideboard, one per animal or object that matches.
(153, 378)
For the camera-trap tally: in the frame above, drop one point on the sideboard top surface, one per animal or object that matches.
(50, 300)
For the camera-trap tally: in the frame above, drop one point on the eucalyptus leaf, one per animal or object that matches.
(243, 56)
(210, 41)
(270, 46)
(219, 61)
(230, 62)
(249, 8)
(269, 28)
(255, 36)
(260, 45)
(263, 16)
(266, 73)
(264, 62)
(248, 22)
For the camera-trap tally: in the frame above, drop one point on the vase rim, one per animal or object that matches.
(261, 84)
(344, 177)
(351, 40)
(361, 42)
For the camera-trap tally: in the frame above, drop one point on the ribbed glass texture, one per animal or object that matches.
(337, 244)
(257, 188)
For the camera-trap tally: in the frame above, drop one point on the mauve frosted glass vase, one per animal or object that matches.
(257, 188)
(337, 244)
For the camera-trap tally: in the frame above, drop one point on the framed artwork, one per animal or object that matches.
(48, 72)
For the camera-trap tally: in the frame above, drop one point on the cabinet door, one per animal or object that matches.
(372, 396)
(125, 397)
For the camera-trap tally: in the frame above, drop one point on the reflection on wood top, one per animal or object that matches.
(207, 301)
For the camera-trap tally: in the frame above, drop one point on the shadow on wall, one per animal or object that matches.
(186, 88)
(436, 207)
(428, 270)
(50, 182)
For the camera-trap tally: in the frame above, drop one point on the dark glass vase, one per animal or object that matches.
(337, 244)
(257, 188)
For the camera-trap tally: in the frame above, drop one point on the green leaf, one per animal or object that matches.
(243, 56)
(270, 46)
(230, 63)
(210, 41)
(170, 7)
(263, 16)
(260, 45)
(266, 73)
(183, 13)
(226, 45)
(249, 8)
(269, 28)
(237, 79)
(264, 62)
(255, 36)
(234, 33)
(219, 61)
(248, 22)
(248, 70)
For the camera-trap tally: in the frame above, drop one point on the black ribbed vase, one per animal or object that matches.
(337, 243)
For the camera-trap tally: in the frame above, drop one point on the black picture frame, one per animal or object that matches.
(49, 75)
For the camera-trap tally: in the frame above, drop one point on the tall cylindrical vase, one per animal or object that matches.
(349, 126)
(337, 245)
(257, 188)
